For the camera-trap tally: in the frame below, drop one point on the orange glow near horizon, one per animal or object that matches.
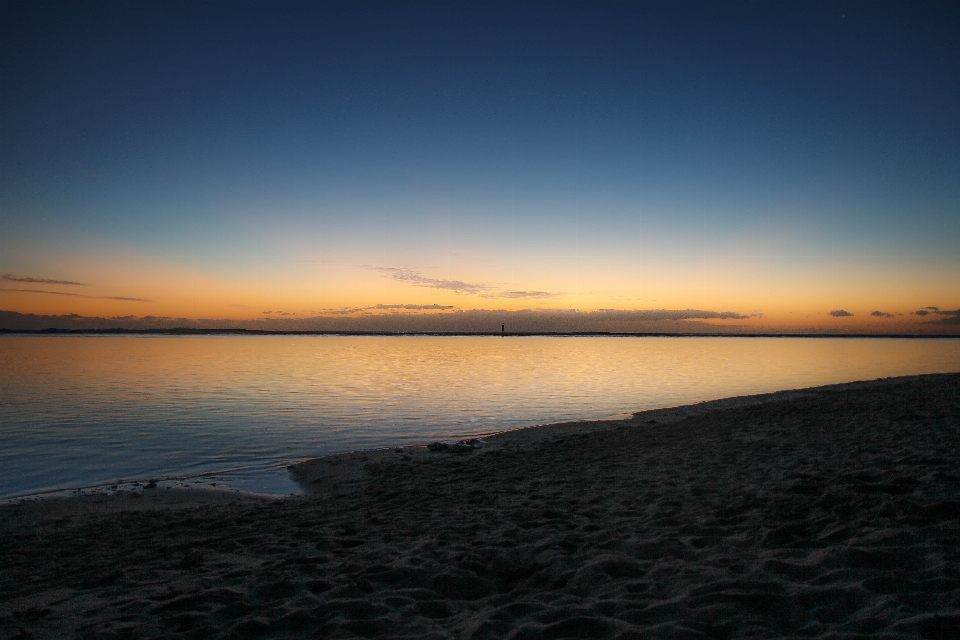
(775, 299)
(220, 303)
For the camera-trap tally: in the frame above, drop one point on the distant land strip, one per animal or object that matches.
(190, 331)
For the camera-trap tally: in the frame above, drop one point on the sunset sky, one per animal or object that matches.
(771, 166)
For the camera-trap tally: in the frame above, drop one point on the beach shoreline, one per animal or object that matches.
(811, 512)
(317, 475)
(303, 473)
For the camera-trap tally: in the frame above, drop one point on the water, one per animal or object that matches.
(88, 410)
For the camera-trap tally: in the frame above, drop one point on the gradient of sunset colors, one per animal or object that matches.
(757, 166)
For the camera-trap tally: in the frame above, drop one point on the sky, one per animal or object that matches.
(753, 166)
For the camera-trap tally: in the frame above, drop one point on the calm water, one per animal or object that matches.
(83, 410)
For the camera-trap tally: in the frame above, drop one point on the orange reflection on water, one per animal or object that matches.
(83, 409)
(630, 373)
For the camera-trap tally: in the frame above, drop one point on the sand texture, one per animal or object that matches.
(830, 512)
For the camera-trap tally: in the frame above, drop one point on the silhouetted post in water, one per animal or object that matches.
(503, 328)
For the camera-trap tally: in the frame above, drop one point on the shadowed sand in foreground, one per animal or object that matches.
(824, 512)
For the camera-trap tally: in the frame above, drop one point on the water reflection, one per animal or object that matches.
(81, 410)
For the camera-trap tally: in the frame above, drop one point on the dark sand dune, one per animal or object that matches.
(831, 512)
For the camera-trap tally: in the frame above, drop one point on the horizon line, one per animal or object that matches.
(514, 334)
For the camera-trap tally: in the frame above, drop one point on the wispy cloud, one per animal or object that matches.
(9, 277)
(840, 313)
(947, 316)
(520, 294)
(625, 315)
(389, 307)
(881, 314)
(488, 291)
(415, 307)
(124, 298)
(412, 277)
(672, 314)
(77, 295)
(950, 317)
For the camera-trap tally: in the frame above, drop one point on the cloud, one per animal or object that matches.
(950, 317)
(389, 307)
(123, 298)
(414, 307)
(840, 313)
(414, 278)
(432, 307)
(458, 286)
(340, 312)
(656, 315)
(681, 314)
(423, 318)
(627, 315)
(77, 295)
(396, 317)
(881, 314)
(520, 294)
(9, 277)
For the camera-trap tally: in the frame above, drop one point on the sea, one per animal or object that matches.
(88, 413)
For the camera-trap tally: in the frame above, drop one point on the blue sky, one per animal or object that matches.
(793, 158)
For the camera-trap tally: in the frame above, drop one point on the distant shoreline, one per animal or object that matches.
(187, 331)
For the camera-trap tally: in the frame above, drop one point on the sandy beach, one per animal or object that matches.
(828, 512)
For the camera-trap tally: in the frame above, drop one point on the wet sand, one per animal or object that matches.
(830, 512)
